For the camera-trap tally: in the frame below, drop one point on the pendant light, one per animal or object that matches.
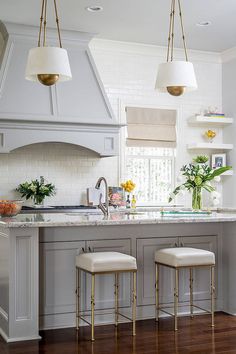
(48, 65)
(175, 76)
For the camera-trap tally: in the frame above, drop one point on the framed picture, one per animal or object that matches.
(218, 160)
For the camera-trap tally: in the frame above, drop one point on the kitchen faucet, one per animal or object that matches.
(103, 206)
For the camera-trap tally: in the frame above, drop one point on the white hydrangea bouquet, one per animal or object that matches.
(198, 177)
(37, 190)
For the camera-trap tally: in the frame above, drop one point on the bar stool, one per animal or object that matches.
(105, 263)
(184, 257)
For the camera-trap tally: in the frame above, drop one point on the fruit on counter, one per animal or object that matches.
(128, 186)
(10, 207)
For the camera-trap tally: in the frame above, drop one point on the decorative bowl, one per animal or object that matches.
(10, 207)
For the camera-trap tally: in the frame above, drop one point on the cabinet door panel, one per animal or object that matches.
(104, 284)
(146, 271)
(201, 276)
(57, 276)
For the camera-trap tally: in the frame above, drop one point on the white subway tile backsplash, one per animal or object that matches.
(69, 167)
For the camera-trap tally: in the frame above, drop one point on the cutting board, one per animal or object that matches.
(93, 195)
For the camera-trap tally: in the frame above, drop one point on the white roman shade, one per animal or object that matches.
(151, 127)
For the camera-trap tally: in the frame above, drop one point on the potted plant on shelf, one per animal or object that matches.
(37, 190)
(201, 159)
(199, 177)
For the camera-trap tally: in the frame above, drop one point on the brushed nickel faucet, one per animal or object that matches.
(103, 206)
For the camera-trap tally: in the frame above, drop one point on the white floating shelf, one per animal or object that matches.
(203, 120)
(228, 173)
(209, 146)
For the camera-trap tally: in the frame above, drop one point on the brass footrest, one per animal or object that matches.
(162, 309)
(82, 315)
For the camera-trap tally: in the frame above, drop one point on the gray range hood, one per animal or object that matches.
(76, 112)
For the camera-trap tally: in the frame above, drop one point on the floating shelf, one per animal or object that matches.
(209, 146)
(203, 120)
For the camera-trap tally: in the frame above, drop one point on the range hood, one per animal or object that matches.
(76, 112)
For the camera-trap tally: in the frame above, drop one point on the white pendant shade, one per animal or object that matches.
(176, 73)
(48, 60)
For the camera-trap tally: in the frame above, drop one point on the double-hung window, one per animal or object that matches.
(150, 153)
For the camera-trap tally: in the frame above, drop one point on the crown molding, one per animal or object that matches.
(130, 48)
(20, 30)
(228, 55)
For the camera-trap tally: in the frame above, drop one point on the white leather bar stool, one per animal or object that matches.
(184, 257)
(105, 263)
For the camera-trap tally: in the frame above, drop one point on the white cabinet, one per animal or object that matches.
(57, 276)
(146, 275)
(146, 249)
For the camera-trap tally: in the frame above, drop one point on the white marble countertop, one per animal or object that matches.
(116, 218)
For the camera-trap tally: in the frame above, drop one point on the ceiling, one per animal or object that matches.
(144, 21)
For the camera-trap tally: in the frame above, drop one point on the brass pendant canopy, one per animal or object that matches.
(48, 65)
(174, 76)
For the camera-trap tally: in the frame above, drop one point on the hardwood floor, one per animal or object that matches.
(194, 336)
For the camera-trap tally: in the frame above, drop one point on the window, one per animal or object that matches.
(152, 169)
(150, 152)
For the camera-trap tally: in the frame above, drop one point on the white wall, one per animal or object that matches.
(229, 105)
(128, 72)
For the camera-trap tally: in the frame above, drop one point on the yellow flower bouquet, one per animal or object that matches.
(128, 186)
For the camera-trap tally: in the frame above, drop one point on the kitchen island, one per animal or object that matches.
(37, 265)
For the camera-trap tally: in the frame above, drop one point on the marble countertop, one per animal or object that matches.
(116, 218)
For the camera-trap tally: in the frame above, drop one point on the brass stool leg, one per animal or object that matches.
(116, 298)
(176, 296)
(157, 291)
(212, 295)
(134, 304)
(77, 292)
(92, 305)
(191, 290)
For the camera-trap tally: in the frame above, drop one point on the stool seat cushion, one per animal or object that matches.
(184, 257)
(105, 262)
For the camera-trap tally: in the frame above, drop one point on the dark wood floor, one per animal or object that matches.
(194, 336)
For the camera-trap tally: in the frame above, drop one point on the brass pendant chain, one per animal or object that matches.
(43, 24)
(57, 22)
(170, 50)
(182, 28)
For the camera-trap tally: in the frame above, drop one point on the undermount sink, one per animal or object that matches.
(134, 212)
(74, 213)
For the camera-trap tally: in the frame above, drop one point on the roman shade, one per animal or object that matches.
(152, 127)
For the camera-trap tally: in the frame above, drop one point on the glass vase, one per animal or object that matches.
(197, 198)
(38, 200)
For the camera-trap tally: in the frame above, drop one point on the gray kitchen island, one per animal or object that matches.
(37, 265)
